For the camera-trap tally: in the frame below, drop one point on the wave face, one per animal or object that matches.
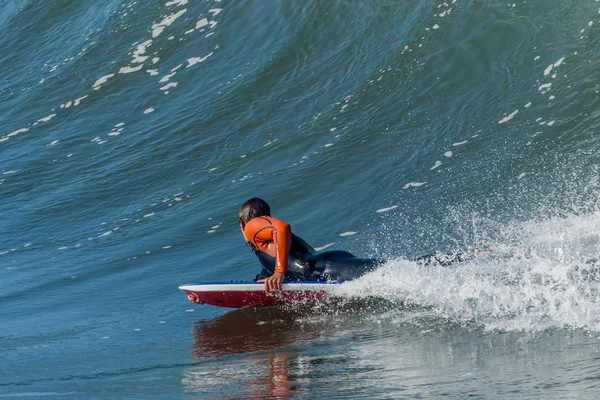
(131, 132)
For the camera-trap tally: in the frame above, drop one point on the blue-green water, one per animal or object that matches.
(132, 131)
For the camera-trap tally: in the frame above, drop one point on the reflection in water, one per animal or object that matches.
(263, 376)
(390, 353)
(264, 332)
(244, 331)
(277, 383)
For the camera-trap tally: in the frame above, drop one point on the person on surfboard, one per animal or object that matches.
(287, 257)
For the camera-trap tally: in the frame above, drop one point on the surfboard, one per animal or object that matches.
(252, 294)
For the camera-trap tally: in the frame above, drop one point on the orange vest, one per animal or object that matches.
(271, 236)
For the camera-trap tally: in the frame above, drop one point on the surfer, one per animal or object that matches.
(285, 256)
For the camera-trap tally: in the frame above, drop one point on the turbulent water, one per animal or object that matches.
(132, 131)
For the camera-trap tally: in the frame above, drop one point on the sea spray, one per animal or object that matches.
(545, 275)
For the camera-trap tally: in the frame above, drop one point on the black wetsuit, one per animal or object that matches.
(306, 264)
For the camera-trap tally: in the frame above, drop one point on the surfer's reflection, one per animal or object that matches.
(277, 383)
(244, 331)
(238, 332)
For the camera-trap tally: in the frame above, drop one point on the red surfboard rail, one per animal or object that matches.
(252, 294)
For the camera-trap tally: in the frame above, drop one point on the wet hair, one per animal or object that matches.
(253, 208)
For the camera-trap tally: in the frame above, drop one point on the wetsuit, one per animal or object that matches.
(279, 250)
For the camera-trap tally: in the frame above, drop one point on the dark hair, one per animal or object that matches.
(253, 208)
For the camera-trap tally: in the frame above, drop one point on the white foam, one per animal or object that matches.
(349, 233)
(102, 81)
(545, 86)
(508, 117)
(413, 184)
(166, 77)
(148, 215)
(128, 70)
(436, 165)
(528, 105)
(386, 209)
(195, 60)
(148, 110)
(152, 71)
(459, 143)
(521, 175)
(201, 23)
(15, 133)
(559, 62)
(328, 145)
(448, 154)
(544, 276)
(551, 123)
(141, 49)
(215, 11)
(169, 85)
(177, 2)
(548, 69)
(157, 29)
(78, 100)
(324, 247)
(436, 26)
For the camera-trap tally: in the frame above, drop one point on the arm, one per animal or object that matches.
(281, 234)
(273, 237)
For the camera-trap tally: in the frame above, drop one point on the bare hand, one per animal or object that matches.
(194, 299)
(273, 283)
